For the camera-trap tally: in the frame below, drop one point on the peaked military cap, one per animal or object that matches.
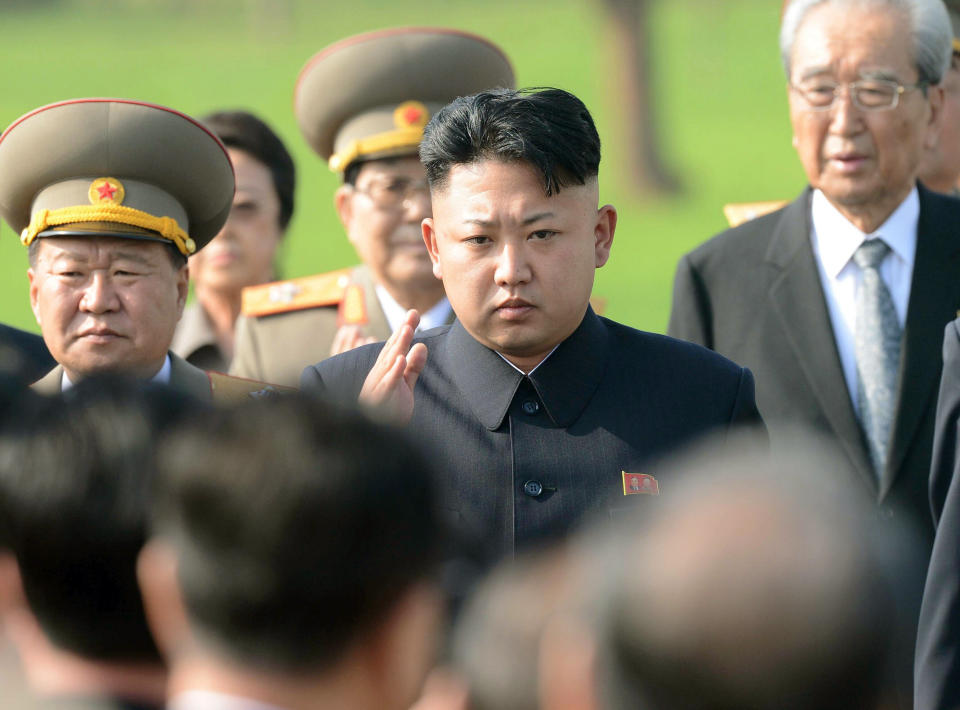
(114, 167)
(370, 96)
(953, 10)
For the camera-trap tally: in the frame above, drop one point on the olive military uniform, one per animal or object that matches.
(121, 169)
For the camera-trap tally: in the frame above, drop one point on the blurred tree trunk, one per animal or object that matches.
(271, 18)
(630, 30)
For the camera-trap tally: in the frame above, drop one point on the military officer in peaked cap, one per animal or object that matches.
(940, 169)
(362, 104)
(110, 196)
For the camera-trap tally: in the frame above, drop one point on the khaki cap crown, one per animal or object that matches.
(114, 167)
(369, 96)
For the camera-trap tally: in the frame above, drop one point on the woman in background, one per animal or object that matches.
(242, 254)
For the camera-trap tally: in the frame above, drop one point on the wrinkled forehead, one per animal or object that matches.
(854, 41)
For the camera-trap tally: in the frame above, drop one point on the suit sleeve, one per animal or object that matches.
(690, 313)
(745, 413)
(340, 378)
(246, 351)
(937, 671)
(944, 461)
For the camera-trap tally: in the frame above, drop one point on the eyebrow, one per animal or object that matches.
(881, 74)
(527, 220)
(132, 256)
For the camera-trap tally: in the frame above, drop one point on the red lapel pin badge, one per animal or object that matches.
(640, 484)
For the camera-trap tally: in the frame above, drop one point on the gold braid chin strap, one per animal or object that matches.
(166, 227)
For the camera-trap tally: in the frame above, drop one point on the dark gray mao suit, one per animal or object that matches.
(753, 294)
(524, 458)
(937, 675)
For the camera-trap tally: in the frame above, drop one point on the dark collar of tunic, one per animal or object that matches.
(565, 382)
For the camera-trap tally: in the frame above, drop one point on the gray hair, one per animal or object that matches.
(930, 24)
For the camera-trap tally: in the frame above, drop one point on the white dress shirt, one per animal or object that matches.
(436, 316)
(161, 378)
(834, 241)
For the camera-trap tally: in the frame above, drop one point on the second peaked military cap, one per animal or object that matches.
(370, 96)
(953, 10)
(114, 167)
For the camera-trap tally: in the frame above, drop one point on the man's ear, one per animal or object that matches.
(183, 288)
(566, 678)
(11, 586)
(935, 98)
(162, 600)
(430, 239)
(603, 233)
(402, 648)
(343, 204)
(34, 288)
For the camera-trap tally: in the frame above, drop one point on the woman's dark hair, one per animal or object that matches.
(244, 131)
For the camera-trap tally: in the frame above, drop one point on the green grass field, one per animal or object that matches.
(719, 91)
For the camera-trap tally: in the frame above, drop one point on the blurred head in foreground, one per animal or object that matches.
(292, 558)
(75, 473)
(759, 583)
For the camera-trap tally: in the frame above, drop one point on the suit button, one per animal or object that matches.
(533, 488)
(530, 407)
(886, 513)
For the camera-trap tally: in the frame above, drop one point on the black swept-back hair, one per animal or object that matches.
(550, 129)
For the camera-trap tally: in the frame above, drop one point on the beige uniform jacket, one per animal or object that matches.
(205, 386)
(196, 342)
(277, 347)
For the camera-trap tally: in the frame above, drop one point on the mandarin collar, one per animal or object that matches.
(565, 381)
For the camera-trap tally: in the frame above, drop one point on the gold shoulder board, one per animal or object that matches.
(227, 389)
(295, 294)
(739, 212)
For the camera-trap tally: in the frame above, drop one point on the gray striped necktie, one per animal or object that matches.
(877, 346)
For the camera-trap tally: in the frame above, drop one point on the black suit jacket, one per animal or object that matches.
(23, 354)
(753, 294)
(524, 458)
(938, 640)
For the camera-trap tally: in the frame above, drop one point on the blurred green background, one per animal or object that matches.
(718, 91)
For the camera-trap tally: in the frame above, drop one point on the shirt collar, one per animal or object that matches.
(395, 313)
(837, 239)
(535, 368)
(565, 381)
(161, 378)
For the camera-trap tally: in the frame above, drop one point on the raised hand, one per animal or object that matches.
(389, 385)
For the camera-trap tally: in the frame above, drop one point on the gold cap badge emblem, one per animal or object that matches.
(411, 114)
(106, 190)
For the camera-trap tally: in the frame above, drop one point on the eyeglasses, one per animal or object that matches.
(394, 193)
(867, 94)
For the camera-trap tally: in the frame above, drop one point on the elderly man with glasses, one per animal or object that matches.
(361, 104)
(941, 166)
(837, 302)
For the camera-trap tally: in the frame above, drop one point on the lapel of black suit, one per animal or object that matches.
(797, 298)
(934, 293)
